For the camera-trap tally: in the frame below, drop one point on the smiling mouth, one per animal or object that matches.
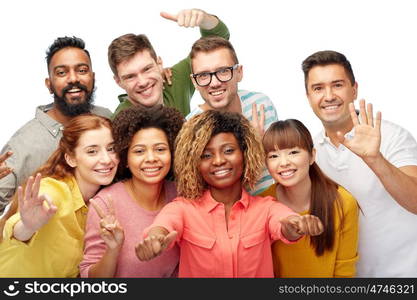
(105, 171)
(217, 93)
(331, 107)
(147, 91)
(221, 173)
(287, 173)
(151, 171)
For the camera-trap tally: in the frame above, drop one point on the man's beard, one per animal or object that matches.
(72, 110)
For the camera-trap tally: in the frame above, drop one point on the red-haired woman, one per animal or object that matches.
(45, 238)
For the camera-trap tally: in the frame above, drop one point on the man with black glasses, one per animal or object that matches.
(216, 74)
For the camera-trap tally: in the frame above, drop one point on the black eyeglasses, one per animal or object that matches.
(222, 75)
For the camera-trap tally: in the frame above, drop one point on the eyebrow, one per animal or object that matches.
(91, 146)
(96, 146)
(153, 145)
(333, 82)
(215, 70)
(77, 66)
(223, 145)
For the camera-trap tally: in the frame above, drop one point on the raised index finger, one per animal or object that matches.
(353, 114)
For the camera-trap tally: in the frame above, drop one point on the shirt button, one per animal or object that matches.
(230, 236)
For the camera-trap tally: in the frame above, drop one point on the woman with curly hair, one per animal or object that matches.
(221, 229)
(144, 140)
(303, 187)
(45, 238)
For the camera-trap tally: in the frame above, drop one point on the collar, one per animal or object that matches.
(323, 138)
(122, 98)
(208, 203)
(50, 124)
(77, 198)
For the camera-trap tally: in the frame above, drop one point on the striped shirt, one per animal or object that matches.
(248, 98)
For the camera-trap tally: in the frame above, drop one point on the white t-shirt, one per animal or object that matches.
(387, 231)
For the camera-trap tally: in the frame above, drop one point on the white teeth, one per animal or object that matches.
(146, 92)
(150, 169)
(103, 171)
(221, 172)
(287, 173)
(74, 91)
(216, 93)
(333, 107)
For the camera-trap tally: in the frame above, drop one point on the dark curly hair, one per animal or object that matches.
(64, 42)
(196, 134)
(133, 119)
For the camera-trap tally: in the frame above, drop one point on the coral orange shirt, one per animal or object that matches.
(211, 249)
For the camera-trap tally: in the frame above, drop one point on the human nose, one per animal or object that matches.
(218, 159)
(150, 156)
(284, 161)
(328, 94)
(214, 82)
(141, 80)
(72, 76)
(105, 157)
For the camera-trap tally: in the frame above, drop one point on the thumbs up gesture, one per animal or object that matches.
(192, 18)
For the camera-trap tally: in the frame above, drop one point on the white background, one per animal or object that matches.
(271, 39)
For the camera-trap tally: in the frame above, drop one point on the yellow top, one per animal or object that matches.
(56, 249)
(300, 260)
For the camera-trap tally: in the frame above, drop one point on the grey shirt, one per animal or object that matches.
(32, 145)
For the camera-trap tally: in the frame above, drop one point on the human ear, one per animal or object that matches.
(313, 156)
(48, 85)
(239, 72)
(70, 160)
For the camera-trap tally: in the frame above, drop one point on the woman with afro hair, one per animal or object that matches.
(221, 229)
(144, 139)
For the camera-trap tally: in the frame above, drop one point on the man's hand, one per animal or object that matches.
(167, 75)
(367, 139)
(192, 18)
(258, 122)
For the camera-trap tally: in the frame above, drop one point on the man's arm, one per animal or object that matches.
(400, 183)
